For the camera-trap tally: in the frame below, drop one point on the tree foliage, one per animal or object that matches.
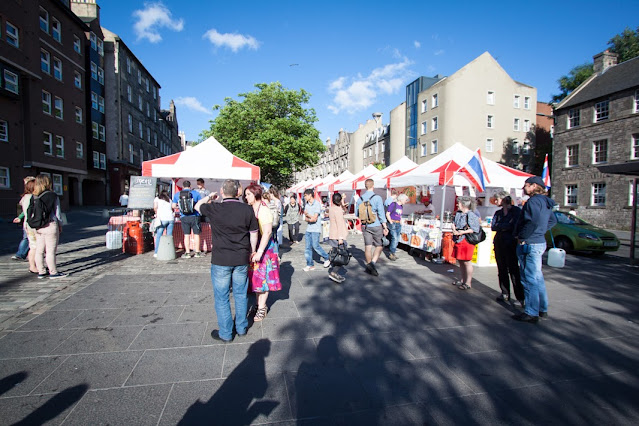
(572, 80)
(270, 128)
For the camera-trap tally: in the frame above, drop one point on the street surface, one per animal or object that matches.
(126, 340)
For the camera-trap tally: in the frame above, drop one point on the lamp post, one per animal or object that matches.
(377, 116)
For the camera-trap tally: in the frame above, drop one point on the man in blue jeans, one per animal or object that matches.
(535, 220)
(312, 212)
(234, 232)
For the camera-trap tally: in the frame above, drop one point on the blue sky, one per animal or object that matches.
(354, 57)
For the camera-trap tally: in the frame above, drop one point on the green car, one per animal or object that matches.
(573, 234)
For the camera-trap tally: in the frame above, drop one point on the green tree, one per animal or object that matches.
(626, 44)
(270, 128)
(572, 80)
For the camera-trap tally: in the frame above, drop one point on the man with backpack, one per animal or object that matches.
(185, 200)
(370, 211)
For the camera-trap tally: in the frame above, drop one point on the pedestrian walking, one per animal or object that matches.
(26, 251)
(465, 222)
(370, 210)
(394, 217)
(312, 212)
(503, 223)
(292, 213)
(46, 204)
(264, 270)
(279, 208)
(164, 215)
(535, 220)
(234, 234)
(186, 200)
(337, 233)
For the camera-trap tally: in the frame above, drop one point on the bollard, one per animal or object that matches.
(166, 249)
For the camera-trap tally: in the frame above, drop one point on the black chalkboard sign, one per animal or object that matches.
(141, 192)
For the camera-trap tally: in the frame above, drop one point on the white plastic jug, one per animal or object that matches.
(556, 257)
(114, 240)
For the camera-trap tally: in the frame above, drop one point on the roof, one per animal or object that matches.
(108, 35)
(613, 79)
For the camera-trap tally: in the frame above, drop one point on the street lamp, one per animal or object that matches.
(377, 116)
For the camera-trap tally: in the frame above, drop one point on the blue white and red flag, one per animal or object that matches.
(475, 170)
(545, 174)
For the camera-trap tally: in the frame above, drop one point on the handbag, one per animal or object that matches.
(476, 237)
(154, 224)
(339, 256)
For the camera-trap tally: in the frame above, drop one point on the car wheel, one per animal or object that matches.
(563, 243)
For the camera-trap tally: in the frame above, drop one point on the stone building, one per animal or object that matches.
(332, 161)
(376, 147)
(598, 125)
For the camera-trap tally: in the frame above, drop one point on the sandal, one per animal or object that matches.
(260, 314)
(464, 287)
(457, 282)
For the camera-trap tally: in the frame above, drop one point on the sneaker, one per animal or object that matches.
(155, 255)
(392, 257)
(54, 276)
(186, 256)
(308, 268)
(334, 277)
(524, 317)
(370, 268)
(42, 276)
(327, 263)
(198, 254)
(503, 298)
(519, 304)
(14, 257)
(543, 315)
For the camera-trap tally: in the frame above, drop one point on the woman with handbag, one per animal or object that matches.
(465, 222)
(164, 218)
(336, 235)
(47, 236)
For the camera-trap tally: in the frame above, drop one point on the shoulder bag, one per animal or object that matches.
(476, 237)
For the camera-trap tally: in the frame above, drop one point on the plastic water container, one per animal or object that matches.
(556, 257)
(114, 240)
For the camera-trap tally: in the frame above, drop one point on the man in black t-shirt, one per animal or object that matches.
(234, 231)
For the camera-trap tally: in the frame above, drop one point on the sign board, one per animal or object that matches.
(141, 192)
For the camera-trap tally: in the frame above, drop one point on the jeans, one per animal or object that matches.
(23, 247)
(47, 240)
(312, 243)
(165, 224)
(294, 231)
(222, 277)
(395, 229)
(532, 278)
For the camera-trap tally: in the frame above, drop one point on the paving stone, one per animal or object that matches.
(169, 336)
(273, 357)
(20, 376)
(51, 320)
(50, 409)
(32, 343)
(94, 318)
(148, 315)
(198, 313)
(109, 339)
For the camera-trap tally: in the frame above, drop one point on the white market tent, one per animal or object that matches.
(381, 178)
(326, 187)
(349, 184)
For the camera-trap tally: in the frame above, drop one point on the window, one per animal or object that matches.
(46, 102)
(490, 122)
(636, 100)
(573, 118)
(77, 44)
(100, 47)
(526, 125)
(571, 195)
(47, 140)
(94, 41)
(77, 79)
(101, 76)
(58, 108)
(598, 194)
(140, 102)
(370, 152)
(78, 115)
(631, 195)
(155, 139)
(139, 77)
(103, 161)
(601, 111)
(94, 130)
(148, 134)
(94, 70)
(102, 133)
(79, 150)
(155, 116)
(527, 102)
(365, 152)
(101, 104)
(516, 124)
(490, 98)
(572, 155)
(128, 93)
(600, 151)
(516, 101)
(4, 131)
(11, 82)
(59, 146)
(44, 20)
(433, 147)
(56, 30)
(424, 127)
(147, 85)
(424, 102)
(57, 69)
(435, 101)
(128, 65)
(94, 101)
(515, 148)
(130, 153)
(13, 35)
(634, 149)
(155, 92)
(130, 124)
(5, 181)
(140, 131)
(434, 124)
(141, 155)
(382, 145)
(45, 61)
(96, 160)
(489, 145)
(148, 110)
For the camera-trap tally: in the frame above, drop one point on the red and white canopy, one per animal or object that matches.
(381, 178)
(326, 186)
(206, 160)
(350, 184)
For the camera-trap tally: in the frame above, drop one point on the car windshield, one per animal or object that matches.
(568, 219)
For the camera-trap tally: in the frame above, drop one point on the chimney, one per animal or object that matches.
(604, 60)
(87, 9)
(328, 142)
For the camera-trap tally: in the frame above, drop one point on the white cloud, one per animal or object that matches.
(417, 44)
(234, 42)
(352, 94)
(438, 52)
(190, 102)
(151, 19)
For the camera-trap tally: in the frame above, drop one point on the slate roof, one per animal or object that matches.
(619, 77)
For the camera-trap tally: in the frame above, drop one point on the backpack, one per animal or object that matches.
(38, 215)
(276, 213)
(186, 202)
(365, 212)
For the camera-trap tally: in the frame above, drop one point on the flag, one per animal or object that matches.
(545, 175)
(475, 170)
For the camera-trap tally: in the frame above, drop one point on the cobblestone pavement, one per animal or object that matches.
(129, 343)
